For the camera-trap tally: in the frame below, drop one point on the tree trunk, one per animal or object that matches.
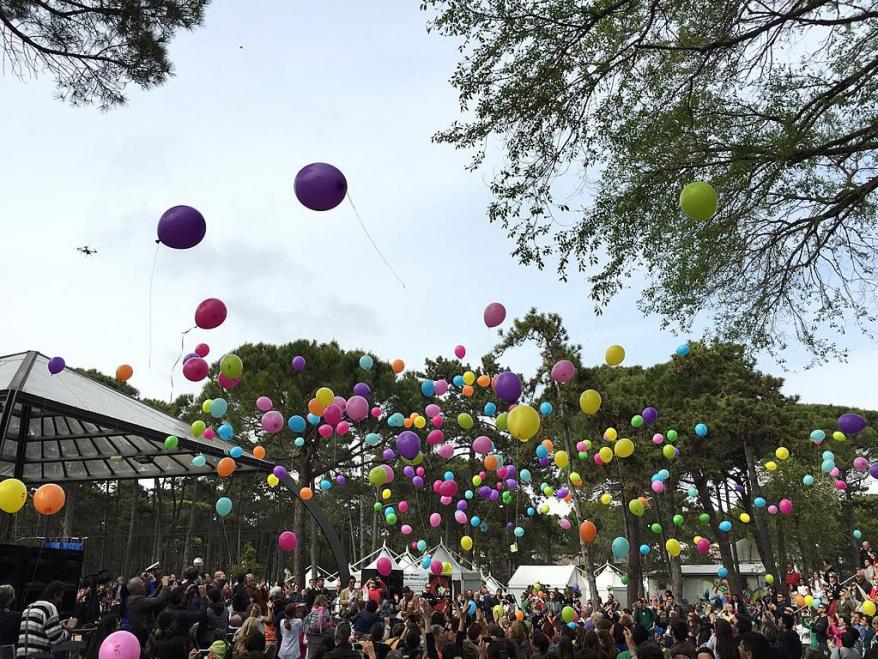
(763, 538)
(105, 530)
(361, 529)
(666, 517)
(157, 527)
(69, 510)
(722, 539)
(187, 543)
(635, 568)
(129, 551)
(847, 513)
(312, 525)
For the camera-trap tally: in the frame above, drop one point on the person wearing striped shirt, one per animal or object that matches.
(40, 628)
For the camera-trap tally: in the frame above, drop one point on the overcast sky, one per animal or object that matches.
(262, 89)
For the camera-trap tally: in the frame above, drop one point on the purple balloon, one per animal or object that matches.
(279, 471)
(181, 227)
(650, 415)
(873, 470)
(851, 424)
(495, 496)
(508, 386)
(511, 471)
(739, 488)
(408, 471)
(298, 363)
(509, 526)
(320, 186)
(56, 365)
(389, 454)
(408, 444)
(191, 355)
(511, 483)
(340, 479)
(543, 461)
(418, 482)
(362, 389)
(484, 491)
(461, 505)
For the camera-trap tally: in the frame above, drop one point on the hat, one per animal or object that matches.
(219, 649)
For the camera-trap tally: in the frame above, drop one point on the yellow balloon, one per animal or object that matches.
(205, 406)
(469, 377)
(446, 568)
(839, 436)
(606, 454)
(589, 402)
(696, 539)
(673, 547)
(523, 422)
(744, 517)
(325, 396)
(615, 355)
(13, 495)
(561, 459)
(635, 507)
(809, 600)
(606, 499)
(782, 453)
(610, 435)
(869, 608)
(385, 494)
(588, 444)
(466, 543)
(575, 479)
(420, 422)
(272, 480)
(198, 428)
(544, 508)
(771, 465)
(624, 448)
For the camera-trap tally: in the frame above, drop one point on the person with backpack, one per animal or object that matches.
(318, 624)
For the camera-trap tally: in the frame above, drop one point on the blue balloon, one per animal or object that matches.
(816, 602)
(546, 408)
(225, 431)
(664, 474)
(542, 451)
(490, 409)
(422, 545)
(725, 525)
(483, 527)
(620, 547)
(827, 466)
(858, 534)
(425, 561)
(373, 438)
(457, 381)
(468, 494)
(701, 430)
(223, 506)
(428, 388)
(397, 420)
(531, 512)
(524, 475)
(218, 408)
(325, 485)
(693, 492)
(828, 455)
(236, 452)
(722, 573)
(475, 521)
(571, 624)
(682, 350)
(296, 423)
(300, 442)
(366, 362)
(644, 549)
(313, 419)
(817, 436)
(448, 476)
(389, 511)
(808, 479)
(471, 608)
(519, 532)
(199, 461)
(759, 502)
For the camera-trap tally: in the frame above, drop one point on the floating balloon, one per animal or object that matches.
(523, 422)
(225, 467)
(181, 227)
(672, 545)
(124, 373)
(56, 365)
(563, 371)
(785, 506)
(507, 385)
(682, 350)
(620, 547)
(589, 402)
(49, 499)
(495, 314)
(223, 506)
(851, 424)
(698, 201)
(320, 186)
(272, 421)
(287, 541)
(615, 355)
(119, 645)
(624, 448)
(13, 495)
(701, 430)
(210, 314)
(587, 532)
(171, 442)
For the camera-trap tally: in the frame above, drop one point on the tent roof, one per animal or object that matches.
(458, 564)
(384, 552)
(369, 560)
(555, 576)
(609, 576)
(407, 559)
(68, 427)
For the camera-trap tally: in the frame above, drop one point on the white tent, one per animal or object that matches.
(609, 580)
(463, 575)
(491, 582)
(330, 579)
(549, 576)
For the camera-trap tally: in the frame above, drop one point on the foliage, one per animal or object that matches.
(605, 110)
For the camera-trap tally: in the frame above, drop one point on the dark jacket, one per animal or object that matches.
(363, 621)
(789, 644)
(343, 651)
(142, 610)
(240, 599)
(10, 622)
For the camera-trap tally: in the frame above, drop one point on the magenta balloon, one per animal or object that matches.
(191, 355)
(210, 313)
(195, 370)
(384, 566)
(508, 386)
(226, 383)
(432, 410)
(181, 227)
(441, 387)
(332, 414)
(436, 566)
(563, 371)
(785, 506)
(325, 430)
(495, 313)
(287, 541)
(320, 186)
(357, 408)
(435, 437)
(56, 365)
(202, 350)
(459, 352)
(703, 546)
(403, 506)
(448, 488)
(446, 451)
(390, 474)
(435, 520)
(483, 445)
(408, 444)
(272, 421)
(264, 404)
(342, 428)
(122, 645)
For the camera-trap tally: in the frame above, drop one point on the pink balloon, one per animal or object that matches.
(786, 506)
(703, 546)
(581, 446)
(202, 350)
(563, 371)
(376, 412)
(342, 428)
(460, 517)
(841, 485)
(658, 439)
(226, 383)
(445, 500)
(483, 445)
(332, 414)
(495, 313)
(340, 403)
(420, 471)
(403, 506)
(432, 410)
(436, 566)
(435, 519)
(597, 459)
(357, 408)
(459, 352)
(446, 451)
(384, 566)
(501, 472)
(195, 370)
(325, 431)
(564, 523)
(435, 437)
(390, 474)
(657, 486)
(208, 433)
(436, 485)
(448, 488)
(772, 510)
(263, 404)
(437, 421)
(441, 387)
(861, 463)
(122, 645)
(287, 541)
(210, 313)
(834, 472)
(405, 529)
(272, 421)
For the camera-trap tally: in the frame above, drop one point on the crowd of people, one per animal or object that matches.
(210, 616)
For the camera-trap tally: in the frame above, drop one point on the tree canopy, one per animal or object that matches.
(603, 111)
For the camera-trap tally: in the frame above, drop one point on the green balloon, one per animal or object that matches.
(624, 579)
(501, 421)
(698, 200)
(465, 421)
(635, 507)
(171, 442)
(507, 497)
(637, 421)
(656, 528)
(568, 613)
(671, 436)
(231, 366)
(704, 518)
(678, 520)
(391, 518)
(377, 476)
(669, 452)
(583, 455)
(377, 506)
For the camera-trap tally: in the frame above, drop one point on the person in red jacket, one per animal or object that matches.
(792, 579)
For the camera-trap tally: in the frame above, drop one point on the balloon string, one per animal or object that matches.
(155, 259)
(371, 240)
(179, 357)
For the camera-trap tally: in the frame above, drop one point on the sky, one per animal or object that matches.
(262, 89)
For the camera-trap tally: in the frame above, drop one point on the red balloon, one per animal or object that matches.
(210, 313)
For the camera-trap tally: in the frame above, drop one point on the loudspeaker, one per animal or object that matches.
(30, 569)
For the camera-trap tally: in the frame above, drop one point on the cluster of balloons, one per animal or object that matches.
(48, 499)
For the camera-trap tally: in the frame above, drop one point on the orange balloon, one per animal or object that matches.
(398, 366)
(490, 462)
(484, 381)
(407, 423)
(124, 372)
(316, 407)
(259, 452)
(519, 615)
(548, 444)
(226, 467)
(306, 493)
(644, 501)
(800, 601)
(468, 390)
(49, 499)
(568, 498)
(587, 532)
(414, 415)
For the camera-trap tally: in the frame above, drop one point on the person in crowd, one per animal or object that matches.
(10, 620)
(866, 552)
(348, 594)
(792, 578)
(820, 629)
(290, 627)
(106, 626)
(142, 610)
(754, 645)
(40, 629)
(362, 622)
(845, 649)
(240, 595)
(788, 641)
(163, 642)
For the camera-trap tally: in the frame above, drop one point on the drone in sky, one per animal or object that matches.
(86, 250)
